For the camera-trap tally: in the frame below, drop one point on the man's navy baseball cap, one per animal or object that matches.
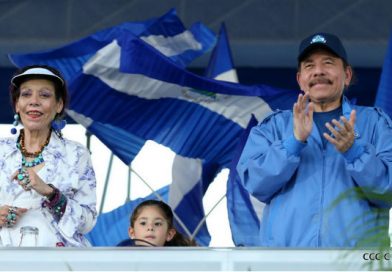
(326, 40)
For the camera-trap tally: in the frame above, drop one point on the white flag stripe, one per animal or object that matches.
(80, 118)
(173, 45)
(105, 65)
(230, 76)
(186, 173)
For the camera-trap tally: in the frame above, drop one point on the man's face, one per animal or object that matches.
(324, 77)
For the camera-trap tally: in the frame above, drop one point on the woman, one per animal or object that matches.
(46, 181)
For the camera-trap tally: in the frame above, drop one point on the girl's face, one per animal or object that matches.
(37, 105)
(152, 227)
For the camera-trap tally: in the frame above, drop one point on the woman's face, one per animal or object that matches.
(152, 227)
(37, 105)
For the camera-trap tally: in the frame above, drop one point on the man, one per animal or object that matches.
(323, 167)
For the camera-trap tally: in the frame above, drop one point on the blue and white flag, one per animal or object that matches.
(244, 210)
(192, 176)
(221, 64)
(194, 124)
(235, 109)
(384, 93)
(166, 33)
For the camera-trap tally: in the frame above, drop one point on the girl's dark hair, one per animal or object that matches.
(60, 89)
(179, 239)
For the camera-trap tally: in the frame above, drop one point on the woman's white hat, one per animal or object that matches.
(38, 71)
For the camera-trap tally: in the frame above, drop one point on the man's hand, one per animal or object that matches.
(343, 136)
(303, 117)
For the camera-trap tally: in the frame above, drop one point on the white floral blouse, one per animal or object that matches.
(67, 165)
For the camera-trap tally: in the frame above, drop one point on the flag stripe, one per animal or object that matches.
(156, 120)
(384, 97)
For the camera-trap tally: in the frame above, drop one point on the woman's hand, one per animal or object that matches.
(29, 180)
(10, 215)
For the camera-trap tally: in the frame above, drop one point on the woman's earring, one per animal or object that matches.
(57, 125)
(15, 123)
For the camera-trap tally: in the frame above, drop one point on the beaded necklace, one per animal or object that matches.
(37, 156)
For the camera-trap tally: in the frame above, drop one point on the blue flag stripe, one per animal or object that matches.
(112, 227)
(157, 120)
(384, 93)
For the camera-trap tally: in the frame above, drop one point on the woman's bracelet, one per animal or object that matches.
(52, 194)
(56, 202)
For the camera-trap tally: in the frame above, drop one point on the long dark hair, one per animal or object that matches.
(179, 239)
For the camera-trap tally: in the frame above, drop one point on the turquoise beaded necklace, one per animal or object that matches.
(37, 156)
(36, 161)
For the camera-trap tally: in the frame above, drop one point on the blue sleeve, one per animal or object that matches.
(354, 152)
(369, 161)
(266, 165)
(293, 146)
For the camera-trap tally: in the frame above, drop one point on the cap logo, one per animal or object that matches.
(318, 39)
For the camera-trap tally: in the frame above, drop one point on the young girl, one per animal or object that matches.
(152, 225)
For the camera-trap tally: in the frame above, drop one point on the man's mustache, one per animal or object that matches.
(320, 80)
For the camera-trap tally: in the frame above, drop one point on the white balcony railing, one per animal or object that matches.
(187, 259)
